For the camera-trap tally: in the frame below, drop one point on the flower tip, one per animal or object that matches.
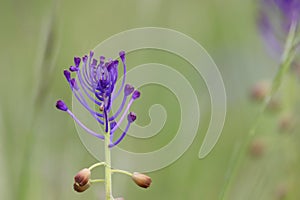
(131, 117)
(84, 58)
(122, 55)
(61, 105)
(73, 68)
(141, 180)
(74, 84)
(67, 74)
(136, 94)
(77, 61)
(128, 89)
(91, 54)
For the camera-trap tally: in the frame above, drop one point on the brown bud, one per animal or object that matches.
(260, 90)
(82, 177)
(257, 148)
(79, 188)
(141, 180)
(286, 123)
(101, 108)
(82, 180)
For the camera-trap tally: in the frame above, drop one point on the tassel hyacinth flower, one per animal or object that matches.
(93, 80)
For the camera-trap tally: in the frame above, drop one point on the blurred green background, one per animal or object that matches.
(40, 150)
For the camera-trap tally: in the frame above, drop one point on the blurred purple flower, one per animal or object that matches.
(275, 20)
(95, 81)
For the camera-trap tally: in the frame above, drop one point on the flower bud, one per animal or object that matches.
(136, 94)
(141, 180)
(60, 104)
(79, 188)
(82, 180)
(260, 90)
(257, 148)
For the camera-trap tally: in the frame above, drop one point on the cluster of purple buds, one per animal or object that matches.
(276, 19)
(96, 81)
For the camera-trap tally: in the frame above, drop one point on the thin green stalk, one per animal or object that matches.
(108, 188)
(97, 165)
(121, 172)
(97, 181)
(286, 60)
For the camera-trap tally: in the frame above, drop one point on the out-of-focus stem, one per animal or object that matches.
(285, 63)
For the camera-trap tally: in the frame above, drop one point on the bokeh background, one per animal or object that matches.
(40, 150)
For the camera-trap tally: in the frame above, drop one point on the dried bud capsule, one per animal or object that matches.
(141, 180)
(82, 179)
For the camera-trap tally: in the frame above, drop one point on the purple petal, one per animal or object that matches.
(61, 105)
(77, 61)
(67, 75)
(131, 117)
(136, 94)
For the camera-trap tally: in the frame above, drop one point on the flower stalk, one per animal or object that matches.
(284, 66)
(108, 181)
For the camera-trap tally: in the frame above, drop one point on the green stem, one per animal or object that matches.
(108, 172)
(97, 165)
(286, 60)
(121, 172)
(97, 181)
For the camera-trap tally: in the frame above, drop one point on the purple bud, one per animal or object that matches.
(136, 94)
(122, 55)
(128, 89)
(113, 124)
(76, 61)
(73, 68)
(67, 75)
(74, 84)
(94, 63)
(131, 117)
(61, 105)
(84, 58)
(102, 59)
(91, 54)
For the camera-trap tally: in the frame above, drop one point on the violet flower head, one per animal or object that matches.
(275, 20)
(95, 80)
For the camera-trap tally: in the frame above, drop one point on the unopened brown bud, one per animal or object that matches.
(82, 177)
(79, 188)
(260, 90)
(257, 148)
(141, 180)
(287, 123)
(82, 180)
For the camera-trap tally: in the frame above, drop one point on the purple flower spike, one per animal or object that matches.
(77, 61)
(136, 94)
(275, 20)
(95, 81)
(61, 105)
(128, 89)
(131, 117)
(67, 75)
